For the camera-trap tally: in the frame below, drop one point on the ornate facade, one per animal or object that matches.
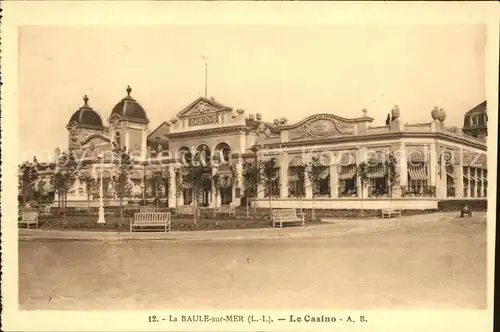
(432, 161)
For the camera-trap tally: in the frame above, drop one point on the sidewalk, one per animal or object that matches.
(331, 228)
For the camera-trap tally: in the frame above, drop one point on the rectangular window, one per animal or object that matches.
(187, 195)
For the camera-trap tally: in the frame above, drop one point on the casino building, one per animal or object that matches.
(434, 162)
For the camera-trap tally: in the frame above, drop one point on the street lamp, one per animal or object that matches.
(101, 219)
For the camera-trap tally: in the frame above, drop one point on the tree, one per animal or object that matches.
(159, 182)
(90, 185)
(362, 173)
(392, 175)
(299, 174)
(121, 179)
(193, 178)
(64, 177)
(216, 183)
(251, 179)
(314, 173)
(269, 170)
(28, 175)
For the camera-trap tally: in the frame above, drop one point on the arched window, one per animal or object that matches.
(184, 155)
(203, 155)
(418, 175)
(222, 153)
(320, 170)
(296, 177)
(377, 175)
(347, 175)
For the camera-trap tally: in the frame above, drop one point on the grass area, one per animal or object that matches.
(440, 264)
(82, 222)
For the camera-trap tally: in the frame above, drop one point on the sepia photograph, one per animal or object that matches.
(299, 167)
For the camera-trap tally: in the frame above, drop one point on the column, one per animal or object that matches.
(172, 188)
(360, 156)
(469, 193)
(459, 173)
(238, 184)
(283, 161)
(308, 185)
(479, 176)
(432, 165)
(144, 144)
(334, 182)
(403, 165)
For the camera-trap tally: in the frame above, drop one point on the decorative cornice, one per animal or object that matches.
(204, 132)
(325, 116)
(374, 137)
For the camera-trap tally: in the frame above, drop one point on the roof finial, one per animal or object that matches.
(86, 100)
(129, 90)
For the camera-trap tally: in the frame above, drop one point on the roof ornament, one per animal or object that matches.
(86, 100)
(129, 90)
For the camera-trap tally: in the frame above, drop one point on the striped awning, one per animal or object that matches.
(347, 159)
(417, 173)
(347, 172)
(416, 157)
(376, 172)
(295, 162)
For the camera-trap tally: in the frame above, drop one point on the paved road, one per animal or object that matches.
(432, 263)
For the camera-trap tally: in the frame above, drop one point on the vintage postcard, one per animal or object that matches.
(248, 166)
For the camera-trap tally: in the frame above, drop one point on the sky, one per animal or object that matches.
(279, 71)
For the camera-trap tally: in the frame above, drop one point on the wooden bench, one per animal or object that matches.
(185, 209)
(29, 218)
(390, 212)
(282, 216)
(151, 219)
(227, 209)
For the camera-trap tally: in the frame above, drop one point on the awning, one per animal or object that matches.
(347, 172)
(416, 157)
(347, 159)
(478, 160)
(295, 162)
(376, 173)
(417, 173)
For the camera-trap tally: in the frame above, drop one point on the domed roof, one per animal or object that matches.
(86, 116)
(479, 109)
(129, 108)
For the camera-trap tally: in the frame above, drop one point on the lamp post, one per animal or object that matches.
(101, 219)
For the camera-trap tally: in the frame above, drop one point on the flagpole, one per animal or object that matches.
(206, 78)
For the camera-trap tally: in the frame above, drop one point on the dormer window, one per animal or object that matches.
(474, 120)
